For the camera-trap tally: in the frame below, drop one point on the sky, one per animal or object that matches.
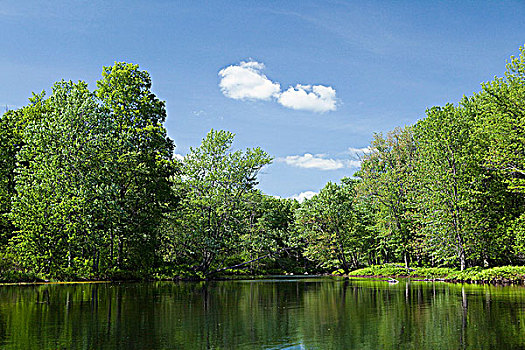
(309, 82)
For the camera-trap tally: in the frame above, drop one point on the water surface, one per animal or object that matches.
(306, 313)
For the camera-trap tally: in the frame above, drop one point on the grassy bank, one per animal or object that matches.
(502, 274)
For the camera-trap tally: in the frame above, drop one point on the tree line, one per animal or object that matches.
(448, 191)
(90, 188)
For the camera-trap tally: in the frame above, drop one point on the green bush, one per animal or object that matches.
(123, 275)
(14, 276)
(431, 272)
(495, 274)
(502, 274)
(390, 269)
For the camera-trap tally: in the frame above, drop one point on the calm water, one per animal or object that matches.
(270, 314)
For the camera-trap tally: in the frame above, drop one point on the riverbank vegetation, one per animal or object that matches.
(476, 274)
(90, 189)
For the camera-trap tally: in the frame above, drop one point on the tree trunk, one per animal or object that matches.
(120, 252)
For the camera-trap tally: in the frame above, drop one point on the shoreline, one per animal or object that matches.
(444, 280)
(501, 275)
(385, 278)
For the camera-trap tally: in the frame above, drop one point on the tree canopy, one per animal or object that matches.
(92, 175)
(216, 188)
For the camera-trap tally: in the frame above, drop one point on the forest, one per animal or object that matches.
(90, 189)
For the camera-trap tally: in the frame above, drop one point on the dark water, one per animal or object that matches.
(270, 314)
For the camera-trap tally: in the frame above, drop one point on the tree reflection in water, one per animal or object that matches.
(303, 313)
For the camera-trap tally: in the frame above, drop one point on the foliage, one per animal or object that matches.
(334, 227)
(499, 274)
(447, 191)
(387, 178)
(446, 171)
(271, 234)
(389, 269)
(91, 178)
(502, 274)
(137, 192)
(217, 188)
(12, 126)
(89, 188)
(397, 270)
(501, 102)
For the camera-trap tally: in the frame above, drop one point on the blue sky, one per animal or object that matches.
(307, 81)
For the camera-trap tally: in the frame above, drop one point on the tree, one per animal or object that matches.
(269, 242)
(499, 110)
(502, 105)
(53, 181)
(215, 190)
(446, 173)
(387, 178)
(334, 226)
(93, 177)
(137, 190)
(12, 126)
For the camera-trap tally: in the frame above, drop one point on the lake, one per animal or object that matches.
(279, 313)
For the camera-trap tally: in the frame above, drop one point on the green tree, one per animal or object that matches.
(502, 105)
(500, 109)
(93, 177)
(137, 187)
(387, 179)
(270, 239)
(12, 126)
(334, 226)
(53, 182)
(446, 174)
(215, 188)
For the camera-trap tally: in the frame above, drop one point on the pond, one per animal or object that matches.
(281, 313)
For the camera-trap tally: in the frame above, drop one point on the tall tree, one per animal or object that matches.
(215, 190)
(12, 126)
(446, 173)
(93, 177)
(502, 104)
(387, 178)
(137, 188)
(500, 113)
(270, 240)
(334, 227)
(53, 182)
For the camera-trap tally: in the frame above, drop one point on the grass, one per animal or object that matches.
(502, 274)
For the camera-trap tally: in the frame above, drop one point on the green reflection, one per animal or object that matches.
(302, 313)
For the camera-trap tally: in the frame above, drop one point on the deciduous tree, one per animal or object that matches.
(215, 190)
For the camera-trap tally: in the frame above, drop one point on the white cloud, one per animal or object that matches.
(352, 163)
(317, 98)
(359, 151)
(319, 161)
(178, 156)
(303, 195)
(245, 81)
(310, 161)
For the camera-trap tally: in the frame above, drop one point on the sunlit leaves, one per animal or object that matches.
(215, 190)
(93, 176)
